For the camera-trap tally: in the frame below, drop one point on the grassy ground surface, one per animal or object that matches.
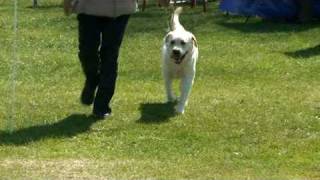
(254, 112)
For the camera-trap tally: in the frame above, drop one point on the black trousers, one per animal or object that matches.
(99, 43)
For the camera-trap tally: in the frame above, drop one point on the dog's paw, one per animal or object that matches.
(179, 109)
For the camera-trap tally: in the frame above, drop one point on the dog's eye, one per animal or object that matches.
(172, 42)
(183, 43)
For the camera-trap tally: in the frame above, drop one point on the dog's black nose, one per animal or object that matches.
(176, 52)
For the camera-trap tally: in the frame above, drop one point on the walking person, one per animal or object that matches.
(102, 24)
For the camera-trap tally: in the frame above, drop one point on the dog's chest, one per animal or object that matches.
(178, 71)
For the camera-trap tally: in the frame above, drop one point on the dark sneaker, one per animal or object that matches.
(87, 94)
(101, 116)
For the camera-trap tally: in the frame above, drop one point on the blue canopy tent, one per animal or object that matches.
(316, 9)
(267, 9)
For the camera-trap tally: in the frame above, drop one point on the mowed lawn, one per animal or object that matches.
(254, 111)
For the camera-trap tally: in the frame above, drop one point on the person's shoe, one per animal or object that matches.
(101, 116)
(87, 95)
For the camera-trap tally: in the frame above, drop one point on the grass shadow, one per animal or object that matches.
(67, 127)
(305, 53)
(156, 112)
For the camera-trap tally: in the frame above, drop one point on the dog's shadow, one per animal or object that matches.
(305, 53)
(156, 112)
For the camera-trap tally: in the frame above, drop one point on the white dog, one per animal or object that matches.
(180, 54)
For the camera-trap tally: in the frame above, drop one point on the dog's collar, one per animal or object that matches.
(179, 61)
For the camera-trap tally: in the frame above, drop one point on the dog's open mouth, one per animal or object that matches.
(178, 58)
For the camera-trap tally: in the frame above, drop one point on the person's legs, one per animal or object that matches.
(112, 35)
(89, 42)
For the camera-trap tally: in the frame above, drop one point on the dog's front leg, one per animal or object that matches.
(185, 89)
(168, 85)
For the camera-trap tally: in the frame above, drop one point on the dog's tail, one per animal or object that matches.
(175, 23)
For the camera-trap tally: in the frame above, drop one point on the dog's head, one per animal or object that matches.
(179, 44)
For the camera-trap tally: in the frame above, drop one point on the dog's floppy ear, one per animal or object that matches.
(195, 42)
(168, 38)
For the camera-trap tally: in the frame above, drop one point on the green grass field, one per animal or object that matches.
(254, 112)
